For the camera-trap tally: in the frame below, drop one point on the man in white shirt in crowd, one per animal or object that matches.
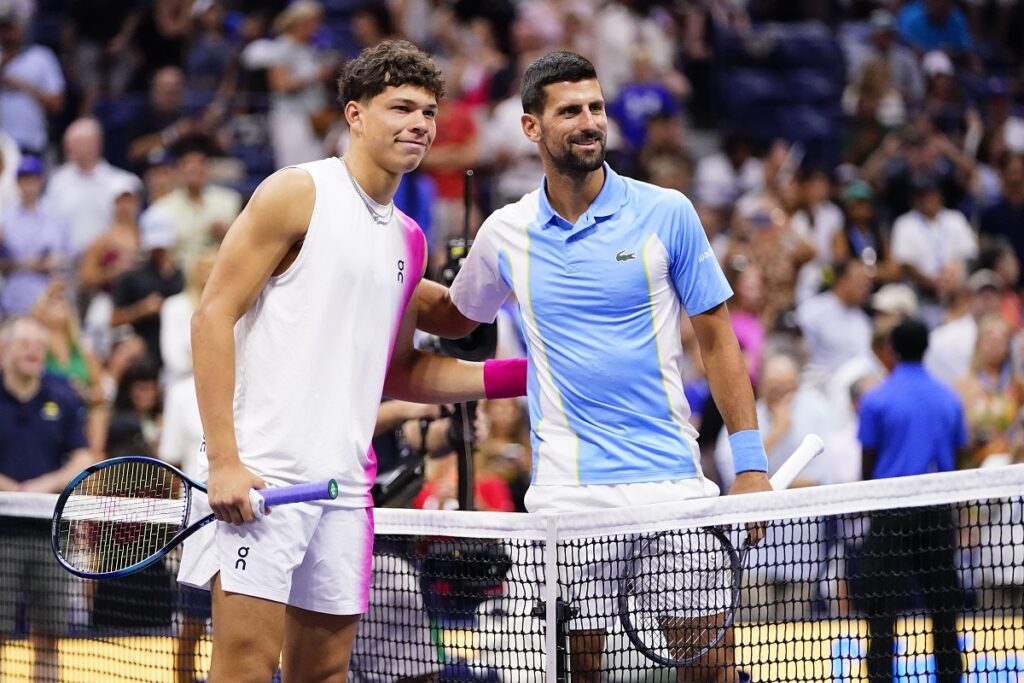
(951, 345)
(83, 188)
(200, 211)
(834, 324)
(928, 240)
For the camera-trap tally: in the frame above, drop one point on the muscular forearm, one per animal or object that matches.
(213, 359)
(432, 378)
(730, 385)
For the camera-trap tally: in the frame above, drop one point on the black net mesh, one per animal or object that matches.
(923, 594)
(457, 609)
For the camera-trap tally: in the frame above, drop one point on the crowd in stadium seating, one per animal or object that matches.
(853, 161)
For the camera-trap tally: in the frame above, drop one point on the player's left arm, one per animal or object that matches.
(703, 290)
(730, 384)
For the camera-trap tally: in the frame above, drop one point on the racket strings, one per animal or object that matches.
(679, 590)
(120, 515)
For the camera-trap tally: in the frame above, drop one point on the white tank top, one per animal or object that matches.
(313, 350)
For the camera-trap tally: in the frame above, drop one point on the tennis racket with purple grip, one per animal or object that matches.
(122, 515)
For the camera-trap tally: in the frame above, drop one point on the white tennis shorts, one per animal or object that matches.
(590, 569)
(306, 555)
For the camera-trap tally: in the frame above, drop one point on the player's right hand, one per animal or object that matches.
(228, 492)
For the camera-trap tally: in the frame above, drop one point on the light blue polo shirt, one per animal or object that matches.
(601, 304)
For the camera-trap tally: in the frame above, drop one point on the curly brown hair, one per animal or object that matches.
(391, 63)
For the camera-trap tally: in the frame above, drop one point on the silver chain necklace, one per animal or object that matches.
(380, 214)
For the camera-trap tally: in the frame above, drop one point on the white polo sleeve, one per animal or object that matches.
(480, 289)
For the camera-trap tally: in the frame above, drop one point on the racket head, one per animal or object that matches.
(120, 516)
(679, 592)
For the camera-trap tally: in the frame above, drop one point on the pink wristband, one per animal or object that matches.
(505, 378)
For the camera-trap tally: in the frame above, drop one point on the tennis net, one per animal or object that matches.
(916, 580)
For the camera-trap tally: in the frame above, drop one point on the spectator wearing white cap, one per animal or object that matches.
(139, 293)
(951, 345)
(84, 187)
(944, 104)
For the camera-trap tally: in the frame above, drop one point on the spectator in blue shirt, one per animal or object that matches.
(934, 25)
(42, 445)
(643, 97)
(911, 424)
(34, 242)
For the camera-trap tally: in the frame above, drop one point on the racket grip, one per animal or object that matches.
(299, 493)
(811, 447)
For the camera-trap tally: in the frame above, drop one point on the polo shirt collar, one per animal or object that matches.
(908, 367)
(609, 200)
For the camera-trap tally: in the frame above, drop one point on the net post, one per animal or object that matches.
(552, 644)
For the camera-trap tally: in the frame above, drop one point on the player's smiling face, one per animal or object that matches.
(397, 126)
(573, 126)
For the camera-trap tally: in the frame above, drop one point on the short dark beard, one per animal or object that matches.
(572, 164)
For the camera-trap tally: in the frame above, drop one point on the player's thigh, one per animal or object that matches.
(317, 646)
(334, 575)
(688, 636)
(586, 654)
(247, 636)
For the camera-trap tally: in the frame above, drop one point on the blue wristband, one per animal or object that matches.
(748, 451)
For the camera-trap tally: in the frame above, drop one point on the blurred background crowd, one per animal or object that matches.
(852, 161)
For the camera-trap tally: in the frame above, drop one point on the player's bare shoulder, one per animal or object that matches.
(282, 205)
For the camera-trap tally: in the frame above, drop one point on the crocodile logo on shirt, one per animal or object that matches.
(626, 256)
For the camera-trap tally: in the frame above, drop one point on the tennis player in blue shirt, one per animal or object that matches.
(603, 267)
